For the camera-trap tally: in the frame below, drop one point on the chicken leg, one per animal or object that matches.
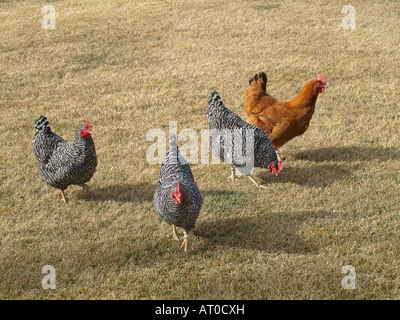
(233, 177)
(63, 197)
(278, 155)
(85, 190)
(174, 233)
(259, 186)
(233, 174)
(185, 244)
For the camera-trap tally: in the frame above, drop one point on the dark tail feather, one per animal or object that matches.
(41, 124)
(215, 99)
(260, 78)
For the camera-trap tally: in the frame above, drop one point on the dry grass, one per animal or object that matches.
(128, 66)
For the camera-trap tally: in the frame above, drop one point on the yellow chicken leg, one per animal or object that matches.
(278, 155)
(233, 174)
(185, 244)
(63, 197)
(174, 233)
(259, 186)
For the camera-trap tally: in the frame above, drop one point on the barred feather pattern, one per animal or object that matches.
(63, 163)
(221, 118)
(175, 168)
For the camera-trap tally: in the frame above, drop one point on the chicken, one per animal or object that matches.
(285, 119)
(177, 199)
(63, 163)
(237, 142)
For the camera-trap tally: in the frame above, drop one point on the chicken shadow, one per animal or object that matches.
(220, 202)
(348, 154)
(221, 193)
(143, 192)
(140, 192)
(319, 175)
(277, 232)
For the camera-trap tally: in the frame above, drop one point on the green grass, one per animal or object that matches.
(130, 66)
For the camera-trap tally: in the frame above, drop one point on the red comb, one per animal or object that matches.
(87, 123)
(321, 78)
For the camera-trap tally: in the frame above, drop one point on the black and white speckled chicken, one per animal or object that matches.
(177, 199)
(63, 163)
(231, 138)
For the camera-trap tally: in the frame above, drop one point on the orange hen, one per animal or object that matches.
(285, 119)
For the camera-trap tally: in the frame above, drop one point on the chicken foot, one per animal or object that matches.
(185, 244)
(259, 186)
(233, 178)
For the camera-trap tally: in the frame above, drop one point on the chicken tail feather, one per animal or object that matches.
(215, 100)
(260, 80)
(41, 124)
(255, 91)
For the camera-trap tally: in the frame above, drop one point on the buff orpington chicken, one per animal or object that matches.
(281, 120)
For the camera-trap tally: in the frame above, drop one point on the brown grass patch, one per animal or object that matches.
(128, 66)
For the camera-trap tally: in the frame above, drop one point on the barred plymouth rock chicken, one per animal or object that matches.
(177, 199)
(63, 163)
(228, 129)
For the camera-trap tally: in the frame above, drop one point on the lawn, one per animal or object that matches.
(132, 66)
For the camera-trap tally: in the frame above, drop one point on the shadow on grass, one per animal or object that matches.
(140, 192)
(144, 192)
(348, 154)
(76, 263)
(278, 232)
(223, 201)
(223, 193)
(319, 175)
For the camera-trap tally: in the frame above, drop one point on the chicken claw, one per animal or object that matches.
(259, 186)
(185, 244)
